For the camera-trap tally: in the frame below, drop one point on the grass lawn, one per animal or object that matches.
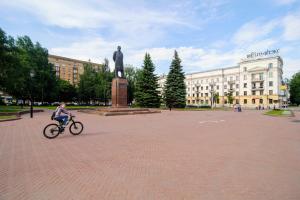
(67, 107)
(275, 112)
(11, 108)
(8, 117)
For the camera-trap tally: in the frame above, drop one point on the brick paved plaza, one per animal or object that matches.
(209, 155)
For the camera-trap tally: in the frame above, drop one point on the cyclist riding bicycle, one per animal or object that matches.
(59, 114)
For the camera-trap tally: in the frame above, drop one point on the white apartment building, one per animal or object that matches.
(255, 81)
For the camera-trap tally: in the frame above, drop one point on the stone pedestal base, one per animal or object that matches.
(119, 93)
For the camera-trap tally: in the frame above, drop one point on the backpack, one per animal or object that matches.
(53, 115)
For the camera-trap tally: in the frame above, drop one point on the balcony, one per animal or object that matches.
(230, 89)
(231, 81)
(257, 88)
(257, 79)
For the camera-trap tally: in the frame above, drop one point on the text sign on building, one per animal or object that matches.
(263, 53)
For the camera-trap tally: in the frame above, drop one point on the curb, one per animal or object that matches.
(14, 119)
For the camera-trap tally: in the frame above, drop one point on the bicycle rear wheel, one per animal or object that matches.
(51, 131)
(76, 128)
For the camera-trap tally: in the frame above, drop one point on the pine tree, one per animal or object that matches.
(147, 94)
(175, 90)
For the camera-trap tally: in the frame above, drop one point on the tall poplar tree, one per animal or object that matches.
(147, 94)
(175, 90)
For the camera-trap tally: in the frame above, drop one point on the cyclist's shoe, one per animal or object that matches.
(61, 129)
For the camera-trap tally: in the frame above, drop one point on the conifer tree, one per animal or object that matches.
(175, 90)
(147, 94)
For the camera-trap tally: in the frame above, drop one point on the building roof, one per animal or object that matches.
(211, 70)
(71, 59)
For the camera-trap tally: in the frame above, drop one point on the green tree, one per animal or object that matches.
(229, 97)
(216, 98)
(175, 90)
(131, 75)
(103, 86)
(147, 94)
(66, 91)
(294, 85)
(86, 86)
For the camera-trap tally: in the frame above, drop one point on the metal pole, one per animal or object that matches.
(31, 108)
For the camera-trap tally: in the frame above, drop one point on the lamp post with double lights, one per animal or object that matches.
(32, 74)
(212, 92)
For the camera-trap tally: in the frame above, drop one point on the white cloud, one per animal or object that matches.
(252, 31)
(285, 2)
(291, 24)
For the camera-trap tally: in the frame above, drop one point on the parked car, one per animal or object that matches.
(55, 104)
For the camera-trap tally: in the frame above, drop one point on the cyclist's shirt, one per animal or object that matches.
(59, 110)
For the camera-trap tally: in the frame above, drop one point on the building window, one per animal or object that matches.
(245, 69)
(231, 78)
(201, 88)
(237, 93)
(201, 94)
(261, 101)
(270, 92)
(253, 101)
(270, 65)
(237, 78)
(193, 95)
(225, 86)
(206, 101)
(271, 74)
(253, 92)
(270, 83)
(225, 93)
(245, 77)
(237, 86)
(261, 92)
(245, 101)
(206, 94)
(206, 87)
(245, 93)
(245, 85)
(217, 87)
(270, 101)
(217, 79)
(261, 76)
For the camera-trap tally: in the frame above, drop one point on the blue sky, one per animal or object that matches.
(207, 34)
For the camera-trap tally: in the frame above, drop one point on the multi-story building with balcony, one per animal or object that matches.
(70, 69)
(252, 83)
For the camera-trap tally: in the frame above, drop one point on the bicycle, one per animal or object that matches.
(53, 130)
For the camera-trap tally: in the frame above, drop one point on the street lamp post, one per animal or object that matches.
(31, 97)
(212, 91)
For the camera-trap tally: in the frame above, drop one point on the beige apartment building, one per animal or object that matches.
(70, 69)
(255, 81)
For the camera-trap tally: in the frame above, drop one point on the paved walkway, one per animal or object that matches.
(209, 155)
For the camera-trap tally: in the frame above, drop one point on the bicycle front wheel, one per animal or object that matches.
(76, 128)
(51, 131)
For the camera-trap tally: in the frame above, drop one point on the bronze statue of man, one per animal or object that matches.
(118, 59)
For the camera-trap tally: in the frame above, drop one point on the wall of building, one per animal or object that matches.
(253, 83)
(70, 69)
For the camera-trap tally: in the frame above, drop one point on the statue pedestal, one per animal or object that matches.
(119, 93)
